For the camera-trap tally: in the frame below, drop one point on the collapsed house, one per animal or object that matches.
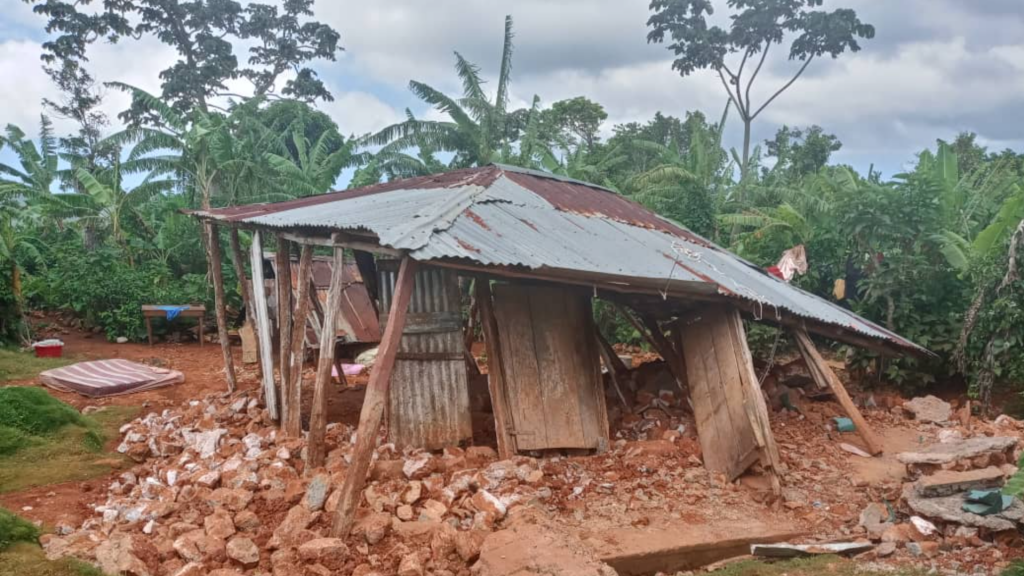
(537, 251)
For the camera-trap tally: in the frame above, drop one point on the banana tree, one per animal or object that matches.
(312, 167)
(478, 130)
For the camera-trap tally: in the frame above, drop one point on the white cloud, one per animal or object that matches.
(26, 84)
(358, 113)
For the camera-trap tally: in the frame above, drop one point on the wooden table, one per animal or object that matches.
(150, 311)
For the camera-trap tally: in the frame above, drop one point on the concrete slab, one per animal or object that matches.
(950, 509)
(948, 482)
(953, 451)
(677, 546)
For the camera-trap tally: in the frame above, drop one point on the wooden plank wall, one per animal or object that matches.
(551, 368)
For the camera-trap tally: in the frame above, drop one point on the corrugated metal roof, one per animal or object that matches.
(504, 216)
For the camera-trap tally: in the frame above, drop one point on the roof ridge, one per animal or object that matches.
(551, 176)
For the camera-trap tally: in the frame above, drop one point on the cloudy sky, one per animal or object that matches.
(935, 67)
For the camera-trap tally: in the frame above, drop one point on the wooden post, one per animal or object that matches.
(263, 334)
(213, 248)
(495, 368)
(283, 259)
(246, 289)
(755, 405)
(291, 394)
(246, 332)
(315, 449)
(373, 403)
(317, 321)
(607, 355)
(825, 377)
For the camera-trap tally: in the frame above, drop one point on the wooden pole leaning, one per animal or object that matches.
(375, 400)
(263, 332)
(315, 446)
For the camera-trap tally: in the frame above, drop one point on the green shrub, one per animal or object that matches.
(104, 288)
(34, 412)
(14, 529)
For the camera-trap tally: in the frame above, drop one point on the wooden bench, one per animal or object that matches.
(150, 311)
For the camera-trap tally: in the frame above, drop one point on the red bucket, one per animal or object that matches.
(49, 349)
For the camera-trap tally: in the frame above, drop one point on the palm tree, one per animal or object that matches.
(479, 131)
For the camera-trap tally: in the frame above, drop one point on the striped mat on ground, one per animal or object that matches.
(99, 378)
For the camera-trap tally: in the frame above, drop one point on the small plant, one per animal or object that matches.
(15, 529)
(1015, 487)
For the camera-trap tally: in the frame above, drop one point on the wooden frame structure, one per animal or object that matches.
(695, 325)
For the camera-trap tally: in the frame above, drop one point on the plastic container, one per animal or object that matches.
(49, 349)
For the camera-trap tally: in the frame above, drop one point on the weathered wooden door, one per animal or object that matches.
(727, 402)
(551, 369)
(429, 400)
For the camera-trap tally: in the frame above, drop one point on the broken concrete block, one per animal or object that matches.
(950, 509)
(929, 409)
(875, 519)
(243, 551)
(953, 451)
(947, 482)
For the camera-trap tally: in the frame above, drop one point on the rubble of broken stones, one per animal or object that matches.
(939, 476)
(217, 490)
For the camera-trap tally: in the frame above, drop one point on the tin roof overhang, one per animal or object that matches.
(513, 221)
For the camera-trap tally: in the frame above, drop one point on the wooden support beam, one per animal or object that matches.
(469, 335)
(755, 405)
(616, 369)
(284, 316)
(263, 333)
(291, 422)
(244, 286)
(315, 446)
(250, 340)
(825, 377)
(217, 277)
(317, 319)
(651, 332)
(495, 368)
(376, 398)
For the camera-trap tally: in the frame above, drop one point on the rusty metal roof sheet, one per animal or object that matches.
(504, 216)
(358, 319)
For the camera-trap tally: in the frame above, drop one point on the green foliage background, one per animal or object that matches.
(91, 222)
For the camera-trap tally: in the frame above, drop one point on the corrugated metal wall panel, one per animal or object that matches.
(428, 406)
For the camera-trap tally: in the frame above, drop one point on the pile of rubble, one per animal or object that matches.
(932, 521)
(218, 491)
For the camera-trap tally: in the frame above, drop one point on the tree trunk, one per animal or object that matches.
(746, 152)
(16, 286)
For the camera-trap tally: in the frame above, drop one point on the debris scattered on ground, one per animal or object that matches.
(929, 409)
(217, 489)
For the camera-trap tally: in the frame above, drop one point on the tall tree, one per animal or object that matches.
(203, 33)
(575, 122)
(756, 25)
(801, 151)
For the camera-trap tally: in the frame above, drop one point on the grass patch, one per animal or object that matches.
(812, 566)
(19, 365)
(29, 560)
(16, 529)
(72, 451)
